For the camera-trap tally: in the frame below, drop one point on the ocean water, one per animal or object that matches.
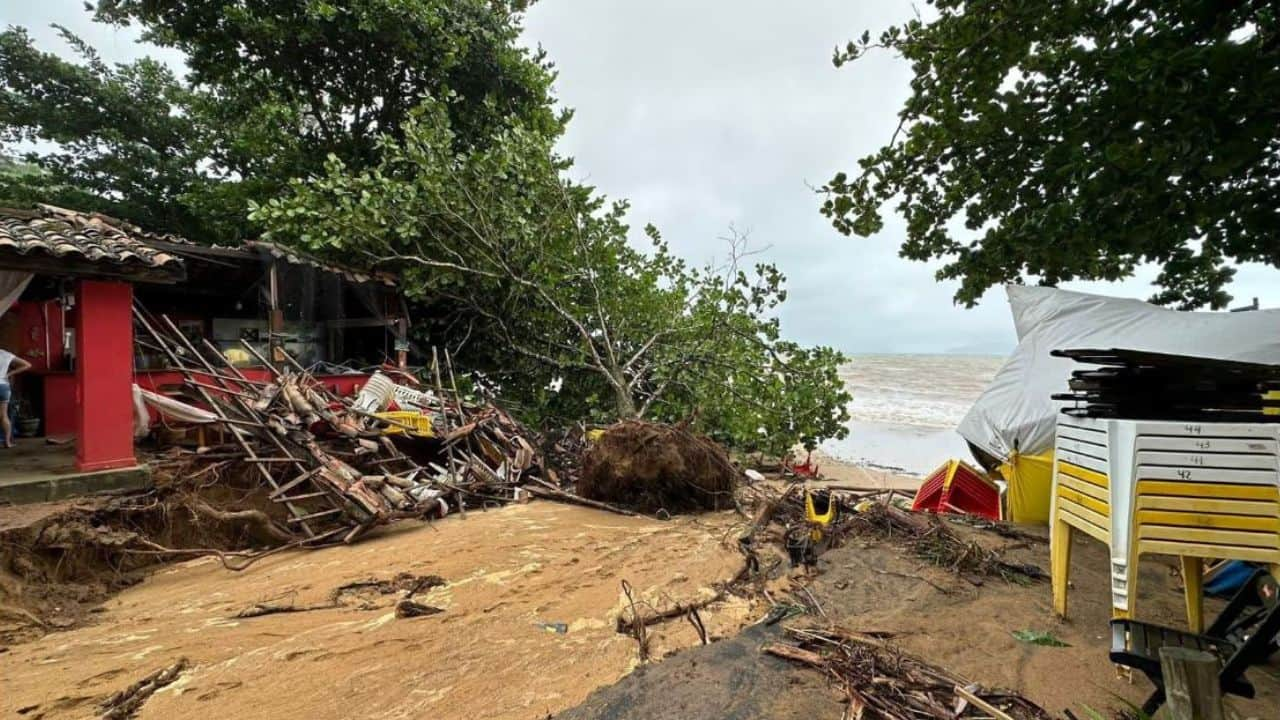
(905, 408)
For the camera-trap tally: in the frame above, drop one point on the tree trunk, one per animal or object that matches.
(626, 405)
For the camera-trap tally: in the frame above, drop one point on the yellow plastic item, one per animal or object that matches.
(595, 434)
(1030, 479)
(407, 417)
(1199, 520)
(811, 514)
(237, 357)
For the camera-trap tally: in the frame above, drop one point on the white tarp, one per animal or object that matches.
(1015, 411)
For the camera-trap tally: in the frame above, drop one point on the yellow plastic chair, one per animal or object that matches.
(421, 423)
(1194, 490)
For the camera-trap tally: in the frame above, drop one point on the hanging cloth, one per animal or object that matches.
(12, 283)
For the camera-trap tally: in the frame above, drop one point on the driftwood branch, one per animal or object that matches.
(544, 489)
(127, 702)
(627, 626)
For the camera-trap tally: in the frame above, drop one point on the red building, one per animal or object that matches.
(71, 280)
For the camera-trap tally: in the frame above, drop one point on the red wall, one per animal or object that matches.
(38, 337)
(59, 404)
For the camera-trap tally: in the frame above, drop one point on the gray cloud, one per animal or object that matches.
(706, 113)
(710, 113)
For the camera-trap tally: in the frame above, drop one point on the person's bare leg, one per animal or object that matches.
(6, 432)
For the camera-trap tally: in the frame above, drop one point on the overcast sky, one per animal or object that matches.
(711, 113)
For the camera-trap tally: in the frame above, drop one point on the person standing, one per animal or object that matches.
(10, 365)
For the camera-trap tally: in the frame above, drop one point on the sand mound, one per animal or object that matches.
(654, 467)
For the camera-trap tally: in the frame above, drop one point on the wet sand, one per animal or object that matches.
(870, 585)
(836, 471)
(487, 655)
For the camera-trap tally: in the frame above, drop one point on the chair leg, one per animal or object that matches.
(1154, 702)
(1193, 589)
(1060, 564)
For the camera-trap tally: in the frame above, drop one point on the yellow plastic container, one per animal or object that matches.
(421, 423)
(1030, 479)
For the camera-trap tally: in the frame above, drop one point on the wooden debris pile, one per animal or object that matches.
(564, 451)
(881, 682)
(931, 539)
(329, 463)
(870, 513)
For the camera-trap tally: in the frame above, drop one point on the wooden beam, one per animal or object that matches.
(275, 319)
(347, 323)
(981, 704)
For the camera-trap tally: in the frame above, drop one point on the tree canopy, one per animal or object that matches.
(274, 87)
(1079, 139)
(540, 272)
(114, 138)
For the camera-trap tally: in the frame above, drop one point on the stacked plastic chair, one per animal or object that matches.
(1194, 490)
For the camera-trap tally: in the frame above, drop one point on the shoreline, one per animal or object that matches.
(836, 470)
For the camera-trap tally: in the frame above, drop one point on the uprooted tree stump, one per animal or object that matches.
(653, 467)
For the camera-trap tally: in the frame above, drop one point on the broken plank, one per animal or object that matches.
(314, 515)
(983, 705)
(304, 496)
(294, 483)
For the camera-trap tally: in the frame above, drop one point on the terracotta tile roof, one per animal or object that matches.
(69, 236)
(99, 239)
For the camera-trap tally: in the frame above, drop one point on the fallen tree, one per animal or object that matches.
(540, 287)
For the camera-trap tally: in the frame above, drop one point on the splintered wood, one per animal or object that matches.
(331, 464)
(880, 682)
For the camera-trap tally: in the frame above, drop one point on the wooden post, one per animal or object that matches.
(1191, 686)
(402, 343)
(444, 416)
